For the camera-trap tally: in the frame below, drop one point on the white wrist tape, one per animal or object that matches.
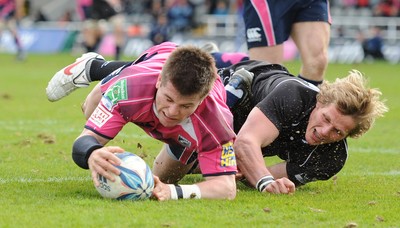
(184, 191)
(191, 191)
(264, 182)
(174, 194)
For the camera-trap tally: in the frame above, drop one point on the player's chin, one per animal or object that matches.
(166, 122)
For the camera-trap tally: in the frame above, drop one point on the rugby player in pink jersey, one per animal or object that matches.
(175, 95)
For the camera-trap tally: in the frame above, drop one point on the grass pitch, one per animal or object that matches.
(42, 187)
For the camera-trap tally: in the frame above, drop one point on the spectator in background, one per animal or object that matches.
(373, 46)
(180, 15)
(363, 4)
(156, 7)
(221, 8)
(387, 8)
(160, 31)
(11, 11)
(240, 38)
(95, 27)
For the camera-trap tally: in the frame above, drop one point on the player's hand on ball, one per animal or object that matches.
(102, 160)
(161, 191)
(281, 186)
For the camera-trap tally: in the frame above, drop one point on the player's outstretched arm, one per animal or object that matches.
(257, 132)
(216, 187)
(169, 171)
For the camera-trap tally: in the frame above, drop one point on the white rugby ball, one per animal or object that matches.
(134, 183)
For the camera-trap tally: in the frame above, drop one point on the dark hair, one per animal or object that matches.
(190, 70)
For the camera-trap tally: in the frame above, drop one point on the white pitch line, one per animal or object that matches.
(368, 173)
(43, 180)
(379, 150)
(85, 179)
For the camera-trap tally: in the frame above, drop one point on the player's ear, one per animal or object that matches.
(158, 83)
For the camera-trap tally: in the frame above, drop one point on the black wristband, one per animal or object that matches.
(82, 149)
(179, 191)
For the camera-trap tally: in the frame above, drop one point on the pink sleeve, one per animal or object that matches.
(104, 122)
(221, 161)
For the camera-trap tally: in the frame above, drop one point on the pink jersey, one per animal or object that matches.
(129, 97)
(7, 8)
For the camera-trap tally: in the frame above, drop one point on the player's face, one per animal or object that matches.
(172, 107)
(327, 125)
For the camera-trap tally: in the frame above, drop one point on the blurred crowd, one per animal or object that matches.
(379, 8)
(165, 17)
(169, 17)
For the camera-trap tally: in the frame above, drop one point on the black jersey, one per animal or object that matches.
(287, 102)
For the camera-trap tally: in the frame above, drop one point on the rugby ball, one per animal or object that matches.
(134, 183)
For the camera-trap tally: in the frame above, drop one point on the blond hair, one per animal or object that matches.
(353, 97)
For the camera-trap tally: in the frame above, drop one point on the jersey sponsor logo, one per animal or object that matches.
(184, 142)
(114, 94)
(253, 34)
(228, 157)
(100, 116)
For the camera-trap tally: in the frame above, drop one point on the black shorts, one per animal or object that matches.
(269, 22)
(102, 10)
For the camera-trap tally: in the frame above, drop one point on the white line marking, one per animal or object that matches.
(387, 173)
(379, 150)
(43, 180)
(85, 179)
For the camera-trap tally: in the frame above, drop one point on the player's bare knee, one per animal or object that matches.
(320, 61)
(314, 68)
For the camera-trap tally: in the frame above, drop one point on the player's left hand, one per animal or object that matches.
(281, 186)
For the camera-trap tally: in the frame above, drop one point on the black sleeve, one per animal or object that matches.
(284, 104)
(322, 164)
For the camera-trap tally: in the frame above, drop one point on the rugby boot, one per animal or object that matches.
(242, 79)
(70, 77)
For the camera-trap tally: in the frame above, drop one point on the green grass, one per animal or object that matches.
(42, 187)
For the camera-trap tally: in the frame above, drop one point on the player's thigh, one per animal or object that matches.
(92, 100)
(271, 54)
(311, 38)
